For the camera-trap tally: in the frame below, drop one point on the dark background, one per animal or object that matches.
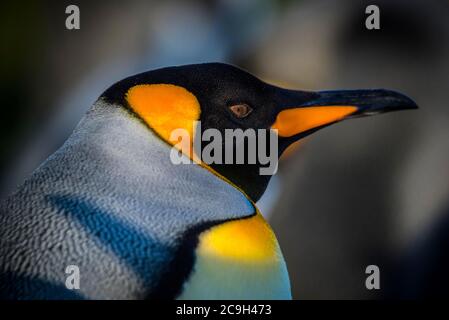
(368, 191)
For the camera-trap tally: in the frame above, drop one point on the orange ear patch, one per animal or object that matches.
(165, 107)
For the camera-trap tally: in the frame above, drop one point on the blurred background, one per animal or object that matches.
(362, 192)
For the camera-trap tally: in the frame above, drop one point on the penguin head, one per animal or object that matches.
(221, 97)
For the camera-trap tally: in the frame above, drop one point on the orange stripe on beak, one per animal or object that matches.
(290, 122)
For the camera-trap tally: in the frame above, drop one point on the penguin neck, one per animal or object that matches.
(132, 150)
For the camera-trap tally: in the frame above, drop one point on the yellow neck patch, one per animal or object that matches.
(249, 239)
(238, 259)
(165, 108)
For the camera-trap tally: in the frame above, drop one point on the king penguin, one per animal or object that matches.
(111, 205)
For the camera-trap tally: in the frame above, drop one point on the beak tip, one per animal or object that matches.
(389, 100)
(413, 105)
(403, 99)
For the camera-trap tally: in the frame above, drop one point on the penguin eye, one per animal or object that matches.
(241, 110)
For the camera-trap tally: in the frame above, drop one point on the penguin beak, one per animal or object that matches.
(316, 110)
